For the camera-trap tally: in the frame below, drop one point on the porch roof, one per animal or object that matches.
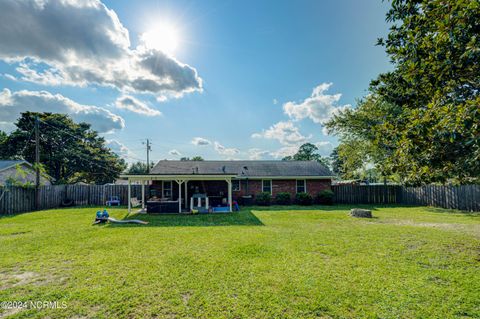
(244, 169)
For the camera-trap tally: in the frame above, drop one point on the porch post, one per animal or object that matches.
(229, 182)
(180, 182)
(186, 194)
(128, 197)
(143, 195)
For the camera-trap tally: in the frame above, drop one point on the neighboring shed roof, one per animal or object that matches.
(7, 164)
(241, 168)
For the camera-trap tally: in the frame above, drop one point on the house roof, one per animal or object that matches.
(242, 168)
(4, 164)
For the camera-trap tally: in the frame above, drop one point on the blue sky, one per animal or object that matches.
(244, 71)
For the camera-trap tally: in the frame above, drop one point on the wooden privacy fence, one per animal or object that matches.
(18, 199)
(366, 194)
(464, 197)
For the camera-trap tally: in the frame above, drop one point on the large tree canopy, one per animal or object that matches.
(422, 120)
(139, 168)
(69, 152)
(3, 145)
(195, 158)
(307, 152)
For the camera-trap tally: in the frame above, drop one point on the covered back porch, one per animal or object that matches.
(177, 193)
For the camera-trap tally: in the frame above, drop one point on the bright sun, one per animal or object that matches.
(161, 37)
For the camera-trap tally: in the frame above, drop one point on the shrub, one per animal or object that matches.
(282, 198)
(303, 199)
(325, 197)
(263, 199)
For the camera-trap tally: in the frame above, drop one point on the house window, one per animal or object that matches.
(236, 185)
(167, 189)
(301, 186)
(267, 186)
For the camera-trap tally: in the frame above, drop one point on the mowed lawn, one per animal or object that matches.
(275, 262)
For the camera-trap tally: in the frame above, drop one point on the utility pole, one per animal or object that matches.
(149, 148)
(37, 162)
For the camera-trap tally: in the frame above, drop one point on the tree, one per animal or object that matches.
(138, 168)
(422, 119)
(337, 162)
(3, 146)
(70, 152)
(307, 152)
(195, 158)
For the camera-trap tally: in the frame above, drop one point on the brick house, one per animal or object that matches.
(175, 183)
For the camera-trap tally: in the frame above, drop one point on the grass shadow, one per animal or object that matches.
(242, 218)
(452, 211)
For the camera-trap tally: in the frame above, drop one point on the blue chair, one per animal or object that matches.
(113, 201)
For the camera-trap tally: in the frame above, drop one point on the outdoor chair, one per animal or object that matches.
(135, 202)
(113, 201)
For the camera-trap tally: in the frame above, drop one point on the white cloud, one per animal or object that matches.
(324, 149)
(12, 104)
(82, 42)
(9, 77)
(275, 101)
(200, 141)
(285, 132)
(222, 150)
(285, 151)
(257, 154)
(174, 152)
(132, 104)
(118, 147)
(319, 107)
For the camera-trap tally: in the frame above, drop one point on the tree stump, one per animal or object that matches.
(363, 213)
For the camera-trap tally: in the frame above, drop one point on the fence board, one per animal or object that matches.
(18, 199)
(465, 197)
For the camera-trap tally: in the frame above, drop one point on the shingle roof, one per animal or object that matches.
(6, 164)
(241, 168)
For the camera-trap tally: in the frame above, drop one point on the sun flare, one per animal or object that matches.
(162, 37)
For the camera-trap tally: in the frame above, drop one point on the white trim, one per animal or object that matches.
(304, 185)
(229, 185)
(129, 196)
(214, 177)
(175, 177)
(283, 177)
(239, 185)
(271, 186)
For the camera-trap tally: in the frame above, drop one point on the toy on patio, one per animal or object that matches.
(103, 217)
(201, 203)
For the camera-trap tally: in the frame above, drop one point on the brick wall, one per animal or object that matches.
(248, 187)
(314, 186)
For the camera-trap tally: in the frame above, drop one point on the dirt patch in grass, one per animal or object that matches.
(468, 228)
(11, 280)
(9, 312)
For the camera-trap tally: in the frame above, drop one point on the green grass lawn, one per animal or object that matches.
(276, 262)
